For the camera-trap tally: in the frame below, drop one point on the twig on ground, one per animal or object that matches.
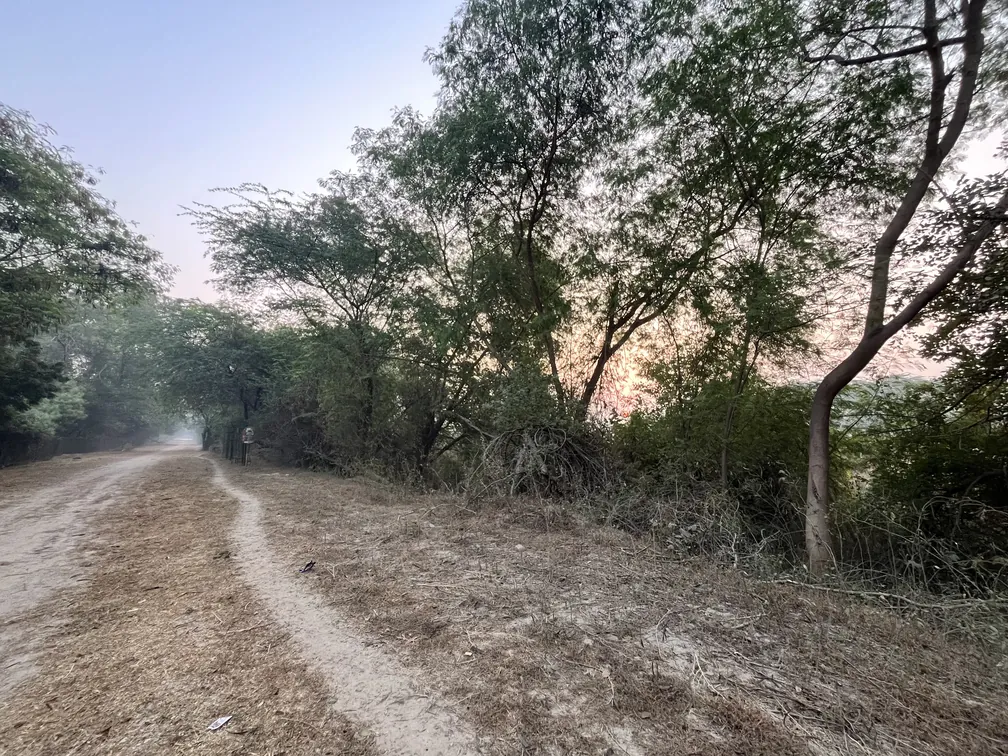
(703, 675)
(247, 629)
(947, 606)
(302, 722)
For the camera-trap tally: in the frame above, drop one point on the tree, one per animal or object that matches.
(530, 97)
(340, 260)
(109, 356)
(61, 243)
(945, 55)
(211, 364)
(969, 319)
(755, 166)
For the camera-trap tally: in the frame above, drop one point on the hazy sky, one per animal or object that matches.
(174, 98)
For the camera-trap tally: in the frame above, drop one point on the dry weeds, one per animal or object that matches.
(558, 637)
(165, 639)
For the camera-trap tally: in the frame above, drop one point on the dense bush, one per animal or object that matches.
(930, 499)
(680, 445)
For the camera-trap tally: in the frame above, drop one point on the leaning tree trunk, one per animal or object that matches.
(937, 147)
(817, 524)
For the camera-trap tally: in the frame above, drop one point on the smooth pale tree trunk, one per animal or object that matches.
(818, 542)
(817, 523)
(937, 146)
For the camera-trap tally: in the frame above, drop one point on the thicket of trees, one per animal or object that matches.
(65, 259)
(597, 271)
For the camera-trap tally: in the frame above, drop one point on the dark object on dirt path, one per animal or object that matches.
(308, 567)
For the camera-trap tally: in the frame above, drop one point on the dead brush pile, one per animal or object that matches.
(563, 472)
(542, 462)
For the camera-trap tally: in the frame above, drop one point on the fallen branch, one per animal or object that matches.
(949, 605)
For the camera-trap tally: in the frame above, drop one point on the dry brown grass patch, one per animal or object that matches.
(554, 634)
(164, 639)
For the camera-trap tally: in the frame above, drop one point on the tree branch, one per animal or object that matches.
(878, 57)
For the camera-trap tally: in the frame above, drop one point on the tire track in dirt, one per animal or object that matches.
(40, 538)
(367, 684)
(165, 637)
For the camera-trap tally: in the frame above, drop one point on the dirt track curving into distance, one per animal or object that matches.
(43, 548)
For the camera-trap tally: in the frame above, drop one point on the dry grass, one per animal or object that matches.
(557, 637)
(164, 639)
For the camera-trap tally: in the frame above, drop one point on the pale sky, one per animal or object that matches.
(172, 99)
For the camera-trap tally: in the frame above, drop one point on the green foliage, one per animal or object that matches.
(61, 245)
(25, 378)
(519, 398)
(970, 318)
(212, 366)
(681, 440)
(927, 449)
(928, 487)
(57, 226)
(108, 353)
(339, 255)
(53, 416)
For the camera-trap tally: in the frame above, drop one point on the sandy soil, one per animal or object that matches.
(165, 637)
(161, 591)
(42, 545)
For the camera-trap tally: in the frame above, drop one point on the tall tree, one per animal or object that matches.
(755, 166)
(942, 53)
(530, 94)
(111, 357)
(212, 365)
(341, 260)
(61, 243)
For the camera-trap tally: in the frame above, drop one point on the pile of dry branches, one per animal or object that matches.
(540, 461)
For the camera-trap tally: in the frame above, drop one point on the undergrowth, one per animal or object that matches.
(753, 523)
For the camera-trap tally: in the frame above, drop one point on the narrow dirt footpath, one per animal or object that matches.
(367, 682)
(165, 636)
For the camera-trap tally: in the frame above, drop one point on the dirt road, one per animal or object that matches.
(143, 595)
(43, 547)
